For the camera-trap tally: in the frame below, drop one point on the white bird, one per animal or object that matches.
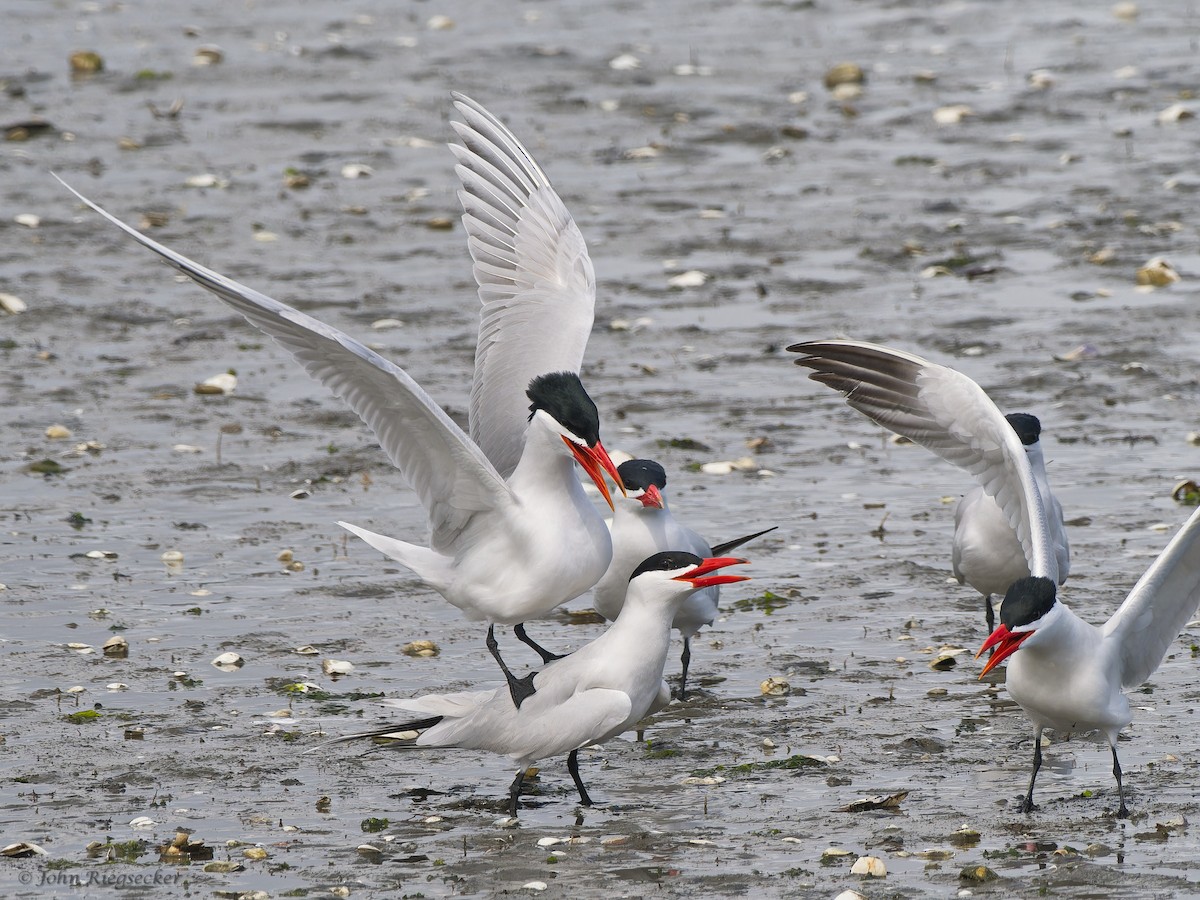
(947, 412)
(512, 533)
(1069, 675)
(600, 690)
(643, 525)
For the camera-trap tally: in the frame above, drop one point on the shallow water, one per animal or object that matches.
(803, 237)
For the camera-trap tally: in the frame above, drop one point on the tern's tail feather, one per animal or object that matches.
(392, 731)
(429, 565)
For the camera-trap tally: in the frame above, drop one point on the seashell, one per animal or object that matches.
(978, 874)
(717, 468)
(22, 850)
(307, 650)
(775, 686)
(834, 853)
(626, 62)
(386, 324)
(336, 667)
(706, 780)
(690, 278)
(357, 170)
(116, 647)
(187, 448)
(440, 23)
(844, 73)
(208, 55)
(1176, 112)
(12, 304)
(953, 114)
(225, 383)
(424, 648)
(300, 494)
(101, 554)
(142, 822)
(265, 237)
(117, 686)
(223, 866)
(871, 866)
(255, 853)
(549, 841)
(172, 556)
(229, 661)
(29, 220)
(945, 658)
(206, 180)
(86, 62)
(1126, 10)
(534, 886)
(1157, 272)
(850, 895)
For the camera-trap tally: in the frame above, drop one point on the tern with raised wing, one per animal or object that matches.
(948, 413)
(512, 532)
(603, 688)
(643, 524)
(1069, 675)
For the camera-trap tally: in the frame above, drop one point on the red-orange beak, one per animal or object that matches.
(652, 498)
(595, 462)
(1006, 643)
(699, 577)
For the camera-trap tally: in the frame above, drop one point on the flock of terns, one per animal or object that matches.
(514, 535)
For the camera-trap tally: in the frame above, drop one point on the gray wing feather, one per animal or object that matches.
(450, 474)
(1159, 605)
(947, 413)
(535, 279)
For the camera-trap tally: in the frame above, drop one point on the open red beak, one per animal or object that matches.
(652, 498)
(700, 578)
(596, 462)
(1006, 643)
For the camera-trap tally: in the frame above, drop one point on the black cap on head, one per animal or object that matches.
(666, 561)
(1027, 600)
(1027, 427)
(561, 394)
(639, 474)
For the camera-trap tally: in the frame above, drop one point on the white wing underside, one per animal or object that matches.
(1158, 607)
(948, 413)
(450, 474)
(535, 279)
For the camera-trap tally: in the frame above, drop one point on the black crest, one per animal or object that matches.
(561, 394)
(666, 561)
(1027, 600)
(639, 474)
(1027, 427)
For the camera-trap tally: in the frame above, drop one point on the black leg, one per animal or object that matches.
(1027, 804)
(573, 768)
(991, 615)
(546, 655)
(685, 658)
(515, 791)
(521, 689)
(1123, 812)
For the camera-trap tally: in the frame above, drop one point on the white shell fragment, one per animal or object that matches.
(142, 822)
(1176, 112)
(387, 324)
(224, 383)
(626, 62)
(207, 55)
(336, 667)
(952, 115)
(12, 304)
(22, 849)
(534, 886)
(229, 661)
(101, 554)
(1157, 272)
(690, 278)
(423, 648)
(307, 650)
(172, 557)
(850, 895)
(29, 220)
(116, 647)
(58, 432)
(357, 170)
(871, 866)
(206, 180)
(775, 686)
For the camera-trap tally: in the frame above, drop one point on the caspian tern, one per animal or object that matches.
(643, 525)
(1070, 675)
(512, 532)
(600, 690)
(948, 413)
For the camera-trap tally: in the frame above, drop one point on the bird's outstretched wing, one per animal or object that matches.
(535, 279)
(1159, 605)
(450, 474)
(948, 413)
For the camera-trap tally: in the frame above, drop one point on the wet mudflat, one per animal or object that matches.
(684, 138)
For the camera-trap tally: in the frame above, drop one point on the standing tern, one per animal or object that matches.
(600, 690)
(643, 525)
(512, 533)
(1070, 675)
(948, 413)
